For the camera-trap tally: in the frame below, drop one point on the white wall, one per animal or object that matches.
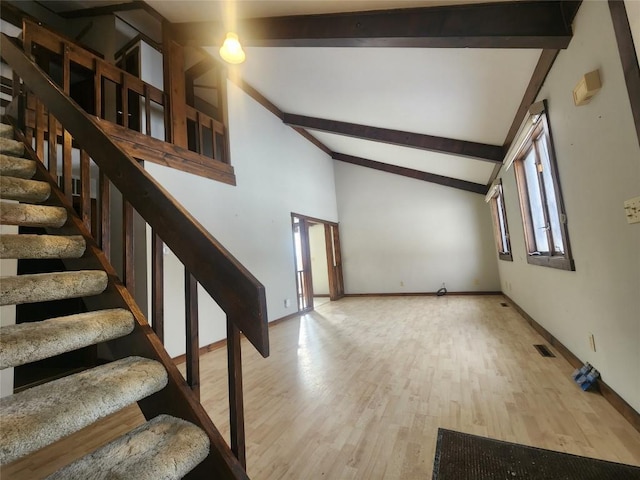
(400, 235)
(319, 267)
(599, 166)
(277, 172)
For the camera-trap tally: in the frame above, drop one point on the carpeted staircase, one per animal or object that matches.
(164, 447)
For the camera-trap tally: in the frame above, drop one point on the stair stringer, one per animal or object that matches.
(176, 399)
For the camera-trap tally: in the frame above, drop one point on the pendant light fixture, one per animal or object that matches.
(231, 50)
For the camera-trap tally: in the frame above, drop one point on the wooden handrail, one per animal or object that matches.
(228, 282)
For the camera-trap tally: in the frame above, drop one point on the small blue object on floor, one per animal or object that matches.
(586, 376)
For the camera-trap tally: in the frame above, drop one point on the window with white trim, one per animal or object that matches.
(500, 227)
(543, 215)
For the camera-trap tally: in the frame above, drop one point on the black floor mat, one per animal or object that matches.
(460, 456)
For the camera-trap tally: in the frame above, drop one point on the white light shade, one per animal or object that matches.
(231, 50)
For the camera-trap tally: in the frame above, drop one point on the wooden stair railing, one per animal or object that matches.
(206, 261)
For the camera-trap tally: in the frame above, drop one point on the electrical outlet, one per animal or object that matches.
(592, 342)
(401, 283)
(287, 303)
(632, 210)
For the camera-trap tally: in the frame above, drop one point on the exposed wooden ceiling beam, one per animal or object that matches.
(313, 140)
(490, 153)
(102, 10)
(543, 67)
(11, 14)
(410, 173)
(545, 62)
(257, 96)
(407, 172)
(200, 68)
(516, 24)
(110, 9)
(262, 100)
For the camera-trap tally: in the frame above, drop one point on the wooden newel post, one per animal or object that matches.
(236, 404)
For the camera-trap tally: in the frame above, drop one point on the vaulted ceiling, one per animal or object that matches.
(430, 90)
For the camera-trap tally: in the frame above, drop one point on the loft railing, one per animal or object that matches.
(206, 261)
(114, 87)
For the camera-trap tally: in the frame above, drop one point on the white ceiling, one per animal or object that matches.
(464, 94)
(442, 92)
(440, 164)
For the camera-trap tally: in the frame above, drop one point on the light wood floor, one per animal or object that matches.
(358, 389)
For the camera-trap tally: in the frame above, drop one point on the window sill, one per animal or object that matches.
(506, 257)
(561, 263)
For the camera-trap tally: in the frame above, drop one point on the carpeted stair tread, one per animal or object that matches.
(32, 215)
(41, 415)
(17, 167)
(164, 448)
(22, 190)
(42, 287)
(41, 246)
(32, 341)
(11, 147)
(6, 131)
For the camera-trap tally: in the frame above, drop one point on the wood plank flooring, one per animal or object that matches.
(358, 388)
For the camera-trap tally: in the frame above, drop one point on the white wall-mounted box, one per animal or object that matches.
(587, 87)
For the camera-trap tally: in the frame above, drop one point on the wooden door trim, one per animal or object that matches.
(332, 246)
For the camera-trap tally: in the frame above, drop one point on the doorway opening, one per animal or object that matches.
(318, 261)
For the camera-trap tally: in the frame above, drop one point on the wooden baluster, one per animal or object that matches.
(157, 285)
(147, 109)
(213, 138)
(191, 319)
(85, 190)
(124, 88)
(104, 225)
(214, 141)
(15, 85)
(40, 122)
(67, 180)
(236, 402)
(127, 247)
(16, 91)
(97, 88)
(27, 44)
(200, 141)
(28, 135)
(53, 146)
